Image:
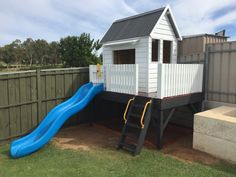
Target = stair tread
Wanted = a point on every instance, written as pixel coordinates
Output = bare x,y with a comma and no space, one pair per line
132,135
133,125
134,115
130,147
138,105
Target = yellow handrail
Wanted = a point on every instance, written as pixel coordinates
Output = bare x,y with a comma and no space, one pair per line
126,109
144,110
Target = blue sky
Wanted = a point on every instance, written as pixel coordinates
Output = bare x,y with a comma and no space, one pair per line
54,19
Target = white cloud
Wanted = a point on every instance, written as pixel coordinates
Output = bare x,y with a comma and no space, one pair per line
196,16
53,19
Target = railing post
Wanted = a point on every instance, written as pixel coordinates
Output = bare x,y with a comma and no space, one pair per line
136,79
159,81
91,73
39,95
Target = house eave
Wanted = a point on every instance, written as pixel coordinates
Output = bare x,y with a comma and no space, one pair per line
132,41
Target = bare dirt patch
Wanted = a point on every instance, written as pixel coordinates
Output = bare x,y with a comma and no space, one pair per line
178,141
86,137
182,149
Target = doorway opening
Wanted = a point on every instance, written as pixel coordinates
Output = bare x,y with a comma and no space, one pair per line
166,51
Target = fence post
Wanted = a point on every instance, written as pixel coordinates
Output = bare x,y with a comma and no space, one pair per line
206,69
39,103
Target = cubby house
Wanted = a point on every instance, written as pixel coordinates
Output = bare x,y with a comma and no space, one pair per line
143,39
140,71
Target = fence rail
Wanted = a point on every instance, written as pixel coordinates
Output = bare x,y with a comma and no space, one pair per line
179,79
27,96
194,58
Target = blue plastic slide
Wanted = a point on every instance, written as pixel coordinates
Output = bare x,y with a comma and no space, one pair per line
54,121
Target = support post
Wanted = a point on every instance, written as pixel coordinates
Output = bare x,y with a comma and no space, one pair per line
205,72
157,117
159,130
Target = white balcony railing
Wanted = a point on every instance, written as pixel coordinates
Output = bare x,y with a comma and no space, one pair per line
167,80
179,79
117,78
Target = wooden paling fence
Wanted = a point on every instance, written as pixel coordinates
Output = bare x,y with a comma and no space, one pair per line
220,83
220,73
26,97
194,58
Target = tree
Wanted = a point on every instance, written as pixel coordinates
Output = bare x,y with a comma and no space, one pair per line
12,53
79,51
55,57
29,51
17,51
42,51
6,54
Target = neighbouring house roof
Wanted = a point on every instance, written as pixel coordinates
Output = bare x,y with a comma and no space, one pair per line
202,35
138,25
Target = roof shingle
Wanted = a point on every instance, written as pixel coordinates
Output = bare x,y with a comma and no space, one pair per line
134,26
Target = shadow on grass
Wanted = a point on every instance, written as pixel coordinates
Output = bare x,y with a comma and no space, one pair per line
5,152
226,167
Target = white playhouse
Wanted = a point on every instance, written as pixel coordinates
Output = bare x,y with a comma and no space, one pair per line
140,70
140,56
143,39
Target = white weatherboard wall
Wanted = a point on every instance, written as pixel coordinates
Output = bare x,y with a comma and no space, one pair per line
179,79
141,58
152,81
163,31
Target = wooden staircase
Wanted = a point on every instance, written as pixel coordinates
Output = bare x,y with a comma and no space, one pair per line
137,117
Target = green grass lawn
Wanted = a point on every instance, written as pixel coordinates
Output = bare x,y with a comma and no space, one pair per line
53,161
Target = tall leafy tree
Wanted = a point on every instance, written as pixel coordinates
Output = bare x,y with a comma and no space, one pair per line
17,51
72,51
79,50
28,46
6,55
42,51
12,53
55,57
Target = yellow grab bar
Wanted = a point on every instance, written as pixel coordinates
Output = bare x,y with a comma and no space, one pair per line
144,111
126,109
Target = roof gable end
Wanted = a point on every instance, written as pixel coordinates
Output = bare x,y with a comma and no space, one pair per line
172,21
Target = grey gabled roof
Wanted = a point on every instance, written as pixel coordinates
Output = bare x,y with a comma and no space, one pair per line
134,26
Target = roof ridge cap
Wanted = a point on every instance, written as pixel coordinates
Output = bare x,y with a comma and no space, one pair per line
140,15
